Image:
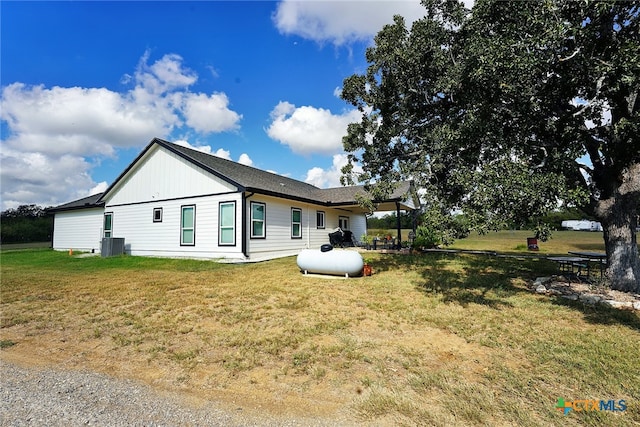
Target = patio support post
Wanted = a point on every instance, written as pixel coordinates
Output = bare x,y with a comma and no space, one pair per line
399,225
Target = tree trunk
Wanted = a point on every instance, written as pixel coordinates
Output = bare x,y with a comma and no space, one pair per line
619,217
623,269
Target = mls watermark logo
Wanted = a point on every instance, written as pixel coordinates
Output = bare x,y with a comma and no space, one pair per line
586,405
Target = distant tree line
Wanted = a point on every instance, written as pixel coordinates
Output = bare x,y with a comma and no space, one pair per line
553,219
390,221
26,224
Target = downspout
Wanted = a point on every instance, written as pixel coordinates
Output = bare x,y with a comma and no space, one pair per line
53,228
399,225
308,227
244,223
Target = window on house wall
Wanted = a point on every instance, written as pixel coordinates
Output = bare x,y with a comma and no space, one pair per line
258,216
296,223
319,219
227,221
343,222
157,214
188,226
108,224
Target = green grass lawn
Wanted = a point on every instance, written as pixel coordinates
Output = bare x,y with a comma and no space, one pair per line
515,241
434,339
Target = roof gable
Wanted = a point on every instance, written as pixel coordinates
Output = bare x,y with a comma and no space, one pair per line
247,177
250,179
162,174
263,182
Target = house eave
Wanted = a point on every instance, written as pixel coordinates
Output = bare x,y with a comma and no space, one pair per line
75,208
284,196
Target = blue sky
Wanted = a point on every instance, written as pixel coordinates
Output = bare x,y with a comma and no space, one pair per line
85,86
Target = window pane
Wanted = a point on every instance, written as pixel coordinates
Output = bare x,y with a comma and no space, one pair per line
227,215
107,222
258,228
187,217
226,235
257,211
296,230
295,215
320,219
227,223
187,237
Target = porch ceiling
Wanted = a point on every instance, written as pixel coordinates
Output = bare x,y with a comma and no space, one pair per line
380,207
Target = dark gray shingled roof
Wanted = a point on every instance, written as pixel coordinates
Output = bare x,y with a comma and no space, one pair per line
249,179
84,203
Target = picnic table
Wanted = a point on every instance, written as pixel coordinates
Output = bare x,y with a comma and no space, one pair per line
571,266
579,263
592,257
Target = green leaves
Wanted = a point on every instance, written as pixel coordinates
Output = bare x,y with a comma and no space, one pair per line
490,111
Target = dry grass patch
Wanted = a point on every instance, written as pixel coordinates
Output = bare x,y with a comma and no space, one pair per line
428,340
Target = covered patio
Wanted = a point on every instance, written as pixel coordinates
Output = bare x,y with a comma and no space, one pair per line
404,198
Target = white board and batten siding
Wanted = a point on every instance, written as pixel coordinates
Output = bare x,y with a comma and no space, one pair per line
163,175
79,230
278,241
164,180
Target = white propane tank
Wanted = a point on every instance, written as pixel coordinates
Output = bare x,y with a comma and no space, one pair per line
342,262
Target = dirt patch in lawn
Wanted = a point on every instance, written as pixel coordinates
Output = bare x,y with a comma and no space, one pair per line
323,377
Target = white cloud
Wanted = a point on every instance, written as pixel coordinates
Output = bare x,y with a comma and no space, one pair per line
329,178
65,130
222,153
341,22
164,75
101,187
202,148
308,130
245,160
42,179
208,114
76,120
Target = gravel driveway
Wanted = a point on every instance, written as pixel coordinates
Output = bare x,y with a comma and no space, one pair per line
47,397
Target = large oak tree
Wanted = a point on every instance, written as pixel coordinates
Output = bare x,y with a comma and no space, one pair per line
507,111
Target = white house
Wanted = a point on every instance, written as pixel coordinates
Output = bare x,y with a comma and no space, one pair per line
173,201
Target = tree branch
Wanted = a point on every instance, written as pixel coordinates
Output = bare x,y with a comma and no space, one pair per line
570,56
632,102
592,100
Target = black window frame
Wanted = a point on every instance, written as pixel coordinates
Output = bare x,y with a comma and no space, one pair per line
264,220
104,224
182,208
157,210
324,220
220,204
344,219
296,223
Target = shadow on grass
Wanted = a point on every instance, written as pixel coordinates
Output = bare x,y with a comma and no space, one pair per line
601,314
489,280
595,247
468,278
